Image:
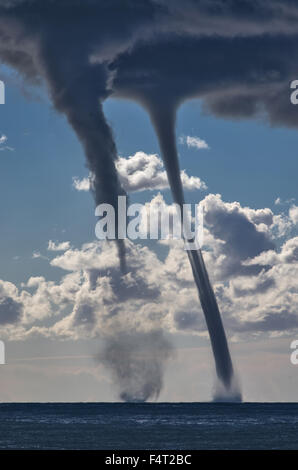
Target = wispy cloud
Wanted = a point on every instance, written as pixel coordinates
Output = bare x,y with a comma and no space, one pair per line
194,142
81,185
280,202
38,255
63,246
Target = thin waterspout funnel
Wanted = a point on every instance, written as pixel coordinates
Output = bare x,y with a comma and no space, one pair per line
163,120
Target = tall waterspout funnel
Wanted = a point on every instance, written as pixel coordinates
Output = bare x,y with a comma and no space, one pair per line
163,119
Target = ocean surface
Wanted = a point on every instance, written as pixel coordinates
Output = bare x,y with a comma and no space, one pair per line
176,426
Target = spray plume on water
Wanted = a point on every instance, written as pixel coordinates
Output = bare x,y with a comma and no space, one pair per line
137,363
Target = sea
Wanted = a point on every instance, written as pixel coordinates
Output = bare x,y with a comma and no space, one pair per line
158,426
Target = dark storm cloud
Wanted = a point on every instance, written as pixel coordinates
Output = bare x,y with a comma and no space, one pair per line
235,77
237,55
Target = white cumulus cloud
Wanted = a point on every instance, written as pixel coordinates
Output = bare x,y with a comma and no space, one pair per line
143,172
255,281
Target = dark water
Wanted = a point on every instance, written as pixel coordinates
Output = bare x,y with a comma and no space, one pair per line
149,426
